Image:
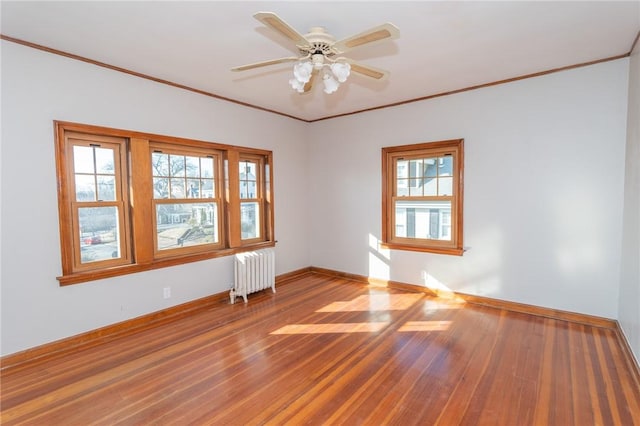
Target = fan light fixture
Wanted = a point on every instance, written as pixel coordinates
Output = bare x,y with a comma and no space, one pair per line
320,55
333,74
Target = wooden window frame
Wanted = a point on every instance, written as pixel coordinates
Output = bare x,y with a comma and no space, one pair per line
139,229
259,198
69,210
390,156
218,178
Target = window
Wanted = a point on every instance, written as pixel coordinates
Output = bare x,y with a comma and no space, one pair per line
130,201
186,199
250,199
422,197
96,214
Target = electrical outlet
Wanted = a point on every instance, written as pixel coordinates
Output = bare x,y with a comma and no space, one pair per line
166,292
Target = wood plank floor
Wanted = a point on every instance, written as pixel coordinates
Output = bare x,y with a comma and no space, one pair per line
325,351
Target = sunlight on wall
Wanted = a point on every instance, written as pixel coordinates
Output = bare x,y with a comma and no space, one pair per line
433,284
379,259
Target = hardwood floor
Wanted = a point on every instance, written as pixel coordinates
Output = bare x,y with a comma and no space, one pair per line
329,351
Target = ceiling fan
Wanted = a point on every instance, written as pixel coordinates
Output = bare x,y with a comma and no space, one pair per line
320,52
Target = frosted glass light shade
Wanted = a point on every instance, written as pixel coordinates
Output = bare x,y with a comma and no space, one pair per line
330,84
341,71
302,71
297,85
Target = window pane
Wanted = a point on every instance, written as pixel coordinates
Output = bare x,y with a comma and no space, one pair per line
430,186
445,186
83,159
104,161
184,225
423,219
193,188
183,176
206,167
415,168
250,220
207,188
106,188
402,188
177,188
445,224
99,234
446,166
85,188
193,166
160,188
244,190
431,167
177,165
86,177
247,170
248,179
401,222
160,164
415,187
251,190
402,169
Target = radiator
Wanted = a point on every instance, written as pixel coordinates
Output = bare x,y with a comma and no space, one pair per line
253,271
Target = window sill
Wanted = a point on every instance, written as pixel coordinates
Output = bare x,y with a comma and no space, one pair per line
98,274
437,250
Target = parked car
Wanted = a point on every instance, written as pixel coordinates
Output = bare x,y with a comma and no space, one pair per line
93,240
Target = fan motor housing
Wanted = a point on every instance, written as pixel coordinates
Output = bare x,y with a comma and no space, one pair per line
320,42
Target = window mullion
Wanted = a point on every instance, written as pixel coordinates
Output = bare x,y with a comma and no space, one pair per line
141,196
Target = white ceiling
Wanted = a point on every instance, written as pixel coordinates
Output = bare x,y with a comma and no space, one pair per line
443,46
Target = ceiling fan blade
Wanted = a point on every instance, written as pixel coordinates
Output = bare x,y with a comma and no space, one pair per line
382,32
265,63
366,70
274,22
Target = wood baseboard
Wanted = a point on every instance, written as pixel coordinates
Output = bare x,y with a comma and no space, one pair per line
42,353
292,276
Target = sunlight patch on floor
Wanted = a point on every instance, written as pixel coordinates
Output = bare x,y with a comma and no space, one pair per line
357,327
425,326
440,304
374,302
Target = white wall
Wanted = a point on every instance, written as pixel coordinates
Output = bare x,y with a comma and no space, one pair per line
38,88
543,197
629,309
543,191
